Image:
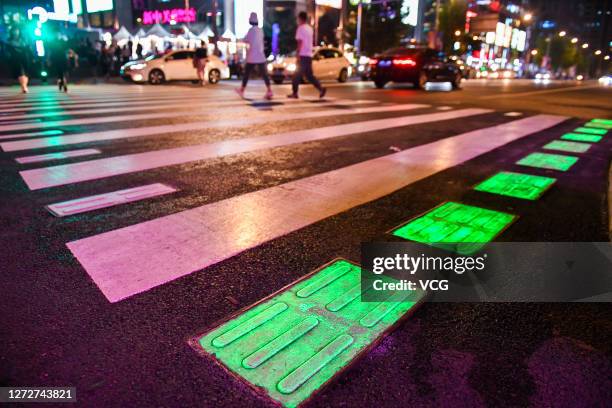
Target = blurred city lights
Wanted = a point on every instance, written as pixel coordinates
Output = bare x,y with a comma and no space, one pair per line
562,34
598,52
585,45
574,40
527,17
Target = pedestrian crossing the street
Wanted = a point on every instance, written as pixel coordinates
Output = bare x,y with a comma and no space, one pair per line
105,151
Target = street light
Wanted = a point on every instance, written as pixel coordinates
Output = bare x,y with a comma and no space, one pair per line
534,52
457,33
527,17
585,45
598,52
562,34
607,57
574,40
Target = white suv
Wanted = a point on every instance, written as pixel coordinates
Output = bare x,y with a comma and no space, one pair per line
176,65
327,63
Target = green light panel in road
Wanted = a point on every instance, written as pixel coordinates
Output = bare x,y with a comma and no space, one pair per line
572,147
581,138
548,161
291,343
456,227
600,123
592,131
517,185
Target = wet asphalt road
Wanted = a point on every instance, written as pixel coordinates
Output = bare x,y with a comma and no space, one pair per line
58,329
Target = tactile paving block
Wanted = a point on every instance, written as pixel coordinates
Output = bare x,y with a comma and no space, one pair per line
591,130
548,161
600,123
525,186
457,227
572,147
581,137
290,344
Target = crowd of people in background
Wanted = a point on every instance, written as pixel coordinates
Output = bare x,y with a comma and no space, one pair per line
102,60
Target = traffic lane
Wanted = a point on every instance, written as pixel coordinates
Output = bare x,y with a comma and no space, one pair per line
212,180
149,331
586,101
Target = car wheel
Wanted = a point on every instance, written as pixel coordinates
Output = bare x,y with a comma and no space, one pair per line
343,75
156,77
421,80
457,82
380,84
278,81
214,75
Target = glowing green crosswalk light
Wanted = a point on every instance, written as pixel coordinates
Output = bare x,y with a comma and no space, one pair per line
456,227
603,121
598,125
290,344
592,131
548,161
572,147
578,137
525,186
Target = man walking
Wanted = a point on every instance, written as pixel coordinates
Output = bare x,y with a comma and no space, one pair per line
303,36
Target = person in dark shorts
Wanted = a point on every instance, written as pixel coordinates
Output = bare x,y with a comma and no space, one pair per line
256,58
199,61
17,53
304,38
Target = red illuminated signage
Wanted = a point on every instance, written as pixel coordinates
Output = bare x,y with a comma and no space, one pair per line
171,16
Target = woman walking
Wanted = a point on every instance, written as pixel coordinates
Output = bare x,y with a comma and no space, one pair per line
18,58
255,56
199,61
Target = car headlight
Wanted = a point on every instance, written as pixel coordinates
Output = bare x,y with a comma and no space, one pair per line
137,67
291,67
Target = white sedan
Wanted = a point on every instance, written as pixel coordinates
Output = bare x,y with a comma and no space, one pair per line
176,65
327,63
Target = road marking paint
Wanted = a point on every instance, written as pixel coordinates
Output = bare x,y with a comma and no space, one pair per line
288,351
181,104
581,137
444,108
548,161
545,91
264,117
518,185
57,156
128,118
96,202
513,114
113,166
456,227
136,258
572,147
54,132
591,131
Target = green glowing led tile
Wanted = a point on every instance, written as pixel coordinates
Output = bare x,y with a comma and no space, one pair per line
456,227
591,130
290,344
517,185
573,147
581,138
600,123
548,161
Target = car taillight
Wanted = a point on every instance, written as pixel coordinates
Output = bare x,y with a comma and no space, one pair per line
404,62
373,61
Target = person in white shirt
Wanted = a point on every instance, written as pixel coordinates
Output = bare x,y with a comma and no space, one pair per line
303,36
255,56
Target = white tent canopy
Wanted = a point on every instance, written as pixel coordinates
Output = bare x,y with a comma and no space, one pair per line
140,33
206,33
188,34
122,34
229,35
159,31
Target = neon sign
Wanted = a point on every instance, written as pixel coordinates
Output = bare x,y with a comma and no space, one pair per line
171,16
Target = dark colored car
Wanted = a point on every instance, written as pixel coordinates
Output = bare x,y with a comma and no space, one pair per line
415,65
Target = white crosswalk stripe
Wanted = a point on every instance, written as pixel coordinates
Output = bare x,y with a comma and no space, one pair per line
136,258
